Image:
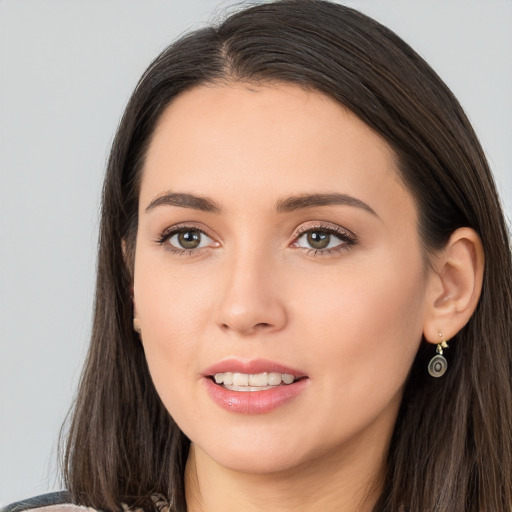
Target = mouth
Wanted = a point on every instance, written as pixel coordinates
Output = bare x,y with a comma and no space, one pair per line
253,387
236,381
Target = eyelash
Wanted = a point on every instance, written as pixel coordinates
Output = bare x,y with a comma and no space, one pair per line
175,230
347,239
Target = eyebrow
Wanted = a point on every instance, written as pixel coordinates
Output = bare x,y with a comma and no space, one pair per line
299,202
185,201
286,205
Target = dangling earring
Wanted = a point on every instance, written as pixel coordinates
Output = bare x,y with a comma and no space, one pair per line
136,325
438,364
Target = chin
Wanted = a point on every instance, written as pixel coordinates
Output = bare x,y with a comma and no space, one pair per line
256,462
256,451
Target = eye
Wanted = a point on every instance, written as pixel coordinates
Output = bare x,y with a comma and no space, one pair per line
317,240
186,239
324,239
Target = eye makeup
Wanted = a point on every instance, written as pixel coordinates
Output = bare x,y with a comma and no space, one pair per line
193,240
314,239
320,237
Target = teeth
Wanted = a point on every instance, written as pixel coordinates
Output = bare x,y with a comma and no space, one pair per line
287,378
274,379
240,379
254,380
258,379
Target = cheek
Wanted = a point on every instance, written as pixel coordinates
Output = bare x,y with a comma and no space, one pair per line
173,311
367,323
170,300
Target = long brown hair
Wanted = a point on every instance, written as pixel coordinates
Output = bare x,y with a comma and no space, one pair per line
452,445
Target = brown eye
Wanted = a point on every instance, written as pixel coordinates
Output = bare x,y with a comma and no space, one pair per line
189,239
324,240
318,239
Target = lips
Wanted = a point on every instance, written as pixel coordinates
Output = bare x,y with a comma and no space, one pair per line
252,367
253,387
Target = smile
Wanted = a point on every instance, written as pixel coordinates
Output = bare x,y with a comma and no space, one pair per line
236,381
253,387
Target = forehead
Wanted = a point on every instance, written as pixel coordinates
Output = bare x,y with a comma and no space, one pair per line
236,140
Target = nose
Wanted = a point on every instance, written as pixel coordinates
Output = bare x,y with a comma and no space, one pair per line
251,301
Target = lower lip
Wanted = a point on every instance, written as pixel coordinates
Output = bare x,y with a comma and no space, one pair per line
254,402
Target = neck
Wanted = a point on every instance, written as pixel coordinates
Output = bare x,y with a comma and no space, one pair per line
342,484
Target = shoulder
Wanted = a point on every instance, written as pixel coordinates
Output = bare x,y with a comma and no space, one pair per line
52,502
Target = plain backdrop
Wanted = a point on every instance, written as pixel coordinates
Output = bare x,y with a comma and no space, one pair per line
67,68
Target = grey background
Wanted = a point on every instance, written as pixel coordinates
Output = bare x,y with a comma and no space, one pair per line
67,68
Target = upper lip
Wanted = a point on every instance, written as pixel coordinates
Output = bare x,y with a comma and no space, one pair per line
251,367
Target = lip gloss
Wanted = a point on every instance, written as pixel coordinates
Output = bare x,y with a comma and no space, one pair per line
253,402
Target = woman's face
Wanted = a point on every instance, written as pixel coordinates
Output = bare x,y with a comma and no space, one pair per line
275,238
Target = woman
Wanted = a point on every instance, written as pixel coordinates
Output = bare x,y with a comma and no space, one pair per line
304,283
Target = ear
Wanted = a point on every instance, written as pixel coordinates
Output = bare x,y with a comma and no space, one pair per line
454,285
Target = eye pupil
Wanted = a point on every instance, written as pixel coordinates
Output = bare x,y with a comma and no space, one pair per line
189,239
318,239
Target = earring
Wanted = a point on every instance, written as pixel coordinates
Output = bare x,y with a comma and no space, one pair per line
438,364
136,325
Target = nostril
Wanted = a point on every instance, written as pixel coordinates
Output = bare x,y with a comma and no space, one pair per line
256,327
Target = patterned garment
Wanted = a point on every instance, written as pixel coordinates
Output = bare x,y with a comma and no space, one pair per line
61,502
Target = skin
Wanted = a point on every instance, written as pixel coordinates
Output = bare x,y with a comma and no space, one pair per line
352,319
